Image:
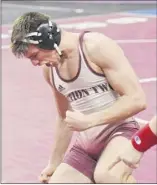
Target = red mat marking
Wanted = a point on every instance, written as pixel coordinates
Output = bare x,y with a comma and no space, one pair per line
29,111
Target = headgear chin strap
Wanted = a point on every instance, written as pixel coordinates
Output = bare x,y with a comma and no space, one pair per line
47,36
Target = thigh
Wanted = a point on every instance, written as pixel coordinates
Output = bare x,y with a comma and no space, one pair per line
67,174
120,172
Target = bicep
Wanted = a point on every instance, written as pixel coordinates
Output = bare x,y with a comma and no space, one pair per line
116,67
62,103
122,77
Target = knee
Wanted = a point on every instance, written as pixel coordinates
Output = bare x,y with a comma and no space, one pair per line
109,177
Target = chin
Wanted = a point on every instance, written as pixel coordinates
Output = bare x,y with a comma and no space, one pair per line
54,64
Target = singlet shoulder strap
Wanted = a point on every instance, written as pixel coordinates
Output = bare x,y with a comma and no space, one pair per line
53,75
81,47
82,35
85,61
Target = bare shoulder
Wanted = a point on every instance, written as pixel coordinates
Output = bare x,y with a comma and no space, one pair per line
101,48
94,39
47,74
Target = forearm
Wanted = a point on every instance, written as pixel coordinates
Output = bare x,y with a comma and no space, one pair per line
122,109
62,140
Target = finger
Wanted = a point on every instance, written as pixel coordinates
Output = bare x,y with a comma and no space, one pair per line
73,128
69,113
69,125
43,178
66,120
131,165
69,119
73,114
117,160
134,166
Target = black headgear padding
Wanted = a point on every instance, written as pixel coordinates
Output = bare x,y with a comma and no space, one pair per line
46,36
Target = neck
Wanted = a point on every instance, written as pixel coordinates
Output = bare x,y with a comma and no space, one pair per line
69,43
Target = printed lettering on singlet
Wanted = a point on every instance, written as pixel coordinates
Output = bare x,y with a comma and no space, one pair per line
82,93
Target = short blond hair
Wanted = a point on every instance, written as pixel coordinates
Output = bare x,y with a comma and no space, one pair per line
27,23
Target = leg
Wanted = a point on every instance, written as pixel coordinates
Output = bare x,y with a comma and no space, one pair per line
120,173
77,167
67,174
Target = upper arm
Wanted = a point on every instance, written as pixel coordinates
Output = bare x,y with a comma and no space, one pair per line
62,103
116,67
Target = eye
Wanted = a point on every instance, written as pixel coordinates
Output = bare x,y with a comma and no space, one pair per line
32,57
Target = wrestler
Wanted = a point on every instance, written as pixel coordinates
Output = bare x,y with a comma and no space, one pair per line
97,94
142,141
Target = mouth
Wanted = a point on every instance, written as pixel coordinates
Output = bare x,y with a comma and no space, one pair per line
48,64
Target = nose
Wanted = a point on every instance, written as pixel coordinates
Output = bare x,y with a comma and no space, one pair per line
35,62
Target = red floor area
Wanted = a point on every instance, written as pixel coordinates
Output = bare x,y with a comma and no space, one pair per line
29,112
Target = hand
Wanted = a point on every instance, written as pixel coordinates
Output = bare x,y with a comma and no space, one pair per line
130,156
47,173
77,121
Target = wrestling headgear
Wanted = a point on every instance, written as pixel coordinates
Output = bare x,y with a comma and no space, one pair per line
47,36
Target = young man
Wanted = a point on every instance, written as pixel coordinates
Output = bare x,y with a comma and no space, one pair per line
143,140
96,92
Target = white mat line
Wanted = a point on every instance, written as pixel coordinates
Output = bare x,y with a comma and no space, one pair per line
146,80
136,41
36,7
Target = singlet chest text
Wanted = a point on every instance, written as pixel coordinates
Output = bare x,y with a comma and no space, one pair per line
82,93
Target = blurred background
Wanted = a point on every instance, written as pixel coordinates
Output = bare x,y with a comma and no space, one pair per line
28,109
65,9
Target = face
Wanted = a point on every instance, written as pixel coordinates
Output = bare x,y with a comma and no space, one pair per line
40,57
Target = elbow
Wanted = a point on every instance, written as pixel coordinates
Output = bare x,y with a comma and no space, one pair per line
142,106
139,101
